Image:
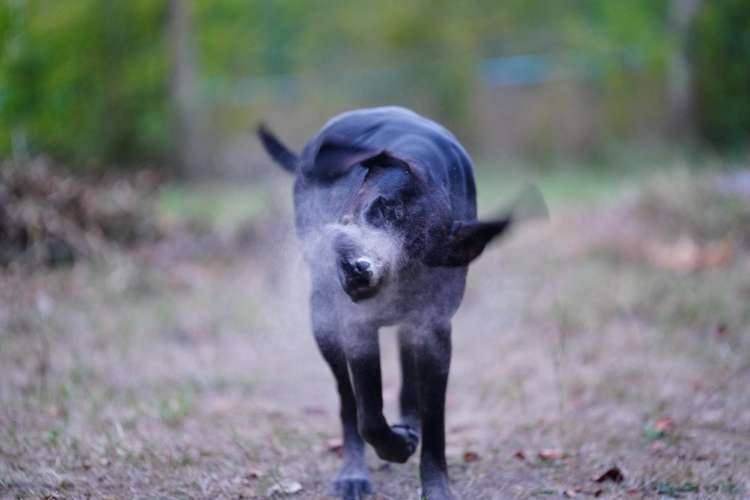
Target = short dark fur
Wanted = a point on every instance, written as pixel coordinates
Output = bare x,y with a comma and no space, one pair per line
390,171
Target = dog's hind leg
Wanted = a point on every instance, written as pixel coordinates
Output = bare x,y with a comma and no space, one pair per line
433,363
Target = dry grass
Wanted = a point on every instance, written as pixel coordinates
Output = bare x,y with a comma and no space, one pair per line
161,375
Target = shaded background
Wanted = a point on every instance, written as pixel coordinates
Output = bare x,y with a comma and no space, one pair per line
154,333
99,84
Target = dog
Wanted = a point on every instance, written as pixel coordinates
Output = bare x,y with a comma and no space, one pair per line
385,208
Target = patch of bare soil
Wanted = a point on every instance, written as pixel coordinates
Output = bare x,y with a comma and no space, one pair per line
576,373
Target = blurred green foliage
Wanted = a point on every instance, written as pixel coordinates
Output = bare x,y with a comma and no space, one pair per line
87,81
720,47
84,80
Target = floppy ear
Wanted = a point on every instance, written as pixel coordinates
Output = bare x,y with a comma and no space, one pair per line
467,239
335,159
466,242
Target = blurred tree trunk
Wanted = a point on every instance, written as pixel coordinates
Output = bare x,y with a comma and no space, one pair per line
680,78
189,141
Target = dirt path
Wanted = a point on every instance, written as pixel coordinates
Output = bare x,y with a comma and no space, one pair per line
149,377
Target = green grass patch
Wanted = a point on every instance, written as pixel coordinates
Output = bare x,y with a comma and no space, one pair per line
675,490
564,186
220,206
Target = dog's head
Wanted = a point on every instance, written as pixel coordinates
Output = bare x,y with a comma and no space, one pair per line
395,220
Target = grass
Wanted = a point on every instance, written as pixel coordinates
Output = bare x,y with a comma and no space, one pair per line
224,207
562,187
161,376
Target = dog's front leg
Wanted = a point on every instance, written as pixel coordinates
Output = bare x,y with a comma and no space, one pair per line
433,355
353,480
392,443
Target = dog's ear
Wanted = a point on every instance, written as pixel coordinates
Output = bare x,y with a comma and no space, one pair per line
467,239
466,242
335,158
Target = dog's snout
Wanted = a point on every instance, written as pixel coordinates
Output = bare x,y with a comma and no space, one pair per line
360,268
363,266
359,278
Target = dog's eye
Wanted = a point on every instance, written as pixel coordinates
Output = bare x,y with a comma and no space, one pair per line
376,212
383,211
395,210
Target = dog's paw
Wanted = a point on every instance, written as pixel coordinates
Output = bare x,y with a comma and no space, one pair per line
401,444
410,436
352,487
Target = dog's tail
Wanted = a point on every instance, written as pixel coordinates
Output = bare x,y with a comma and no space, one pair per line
276,149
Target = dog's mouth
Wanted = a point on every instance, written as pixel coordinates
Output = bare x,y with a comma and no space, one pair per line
360,286
361,292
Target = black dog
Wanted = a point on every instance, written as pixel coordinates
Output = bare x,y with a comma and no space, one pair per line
385,206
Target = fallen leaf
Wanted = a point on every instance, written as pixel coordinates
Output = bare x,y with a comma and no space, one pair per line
686,255
664,424
570,493
552,454
520,455
613,474
336,446
284,487
470,456
253,474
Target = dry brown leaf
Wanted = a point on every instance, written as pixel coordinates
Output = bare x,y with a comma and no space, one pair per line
253,474
470,456
686,255
613,474
664,424
552,454
520,455
335,445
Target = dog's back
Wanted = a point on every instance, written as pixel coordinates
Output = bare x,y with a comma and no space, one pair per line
433,151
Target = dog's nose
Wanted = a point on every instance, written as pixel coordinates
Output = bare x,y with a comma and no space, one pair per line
359,269
362,266
359,277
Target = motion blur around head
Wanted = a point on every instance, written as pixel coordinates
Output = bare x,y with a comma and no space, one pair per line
392,220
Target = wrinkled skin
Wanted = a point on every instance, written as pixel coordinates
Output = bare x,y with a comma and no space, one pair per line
385,206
